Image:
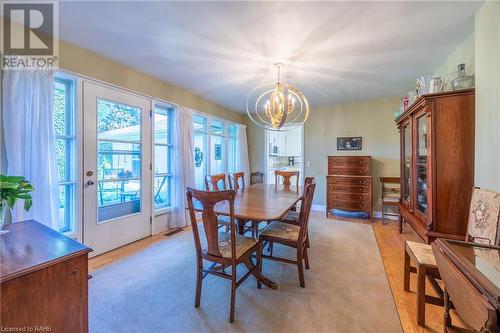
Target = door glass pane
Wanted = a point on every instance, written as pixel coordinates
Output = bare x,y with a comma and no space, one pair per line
422,164
118,159
118,121
217,157
406,164
200,159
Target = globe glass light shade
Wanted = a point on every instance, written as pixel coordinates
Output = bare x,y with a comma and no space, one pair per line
277,106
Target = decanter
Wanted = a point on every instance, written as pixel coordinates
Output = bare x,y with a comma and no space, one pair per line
462,81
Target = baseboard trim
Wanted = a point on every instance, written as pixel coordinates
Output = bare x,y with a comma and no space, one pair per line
377,213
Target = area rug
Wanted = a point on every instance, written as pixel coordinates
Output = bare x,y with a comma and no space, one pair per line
153,290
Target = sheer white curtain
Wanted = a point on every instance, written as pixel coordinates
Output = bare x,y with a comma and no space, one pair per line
28,98
183,164
242,153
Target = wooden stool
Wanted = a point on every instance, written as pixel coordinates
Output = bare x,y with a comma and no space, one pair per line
422,255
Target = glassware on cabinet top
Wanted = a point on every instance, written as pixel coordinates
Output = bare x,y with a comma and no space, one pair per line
437,84
460,80
423,83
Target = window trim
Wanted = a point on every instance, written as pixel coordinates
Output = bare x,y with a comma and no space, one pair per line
169,109
71,156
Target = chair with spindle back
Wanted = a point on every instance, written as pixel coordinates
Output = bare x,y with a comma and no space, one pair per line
215,182
256,178
482,227
223,249
292,235
234,180
287,175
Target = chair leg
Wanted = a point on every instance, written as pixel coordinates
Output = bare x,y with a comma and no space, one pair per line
233,293
406,277
306,258
420,295
401,221
300,267
307,240
259,264
199,279
446,315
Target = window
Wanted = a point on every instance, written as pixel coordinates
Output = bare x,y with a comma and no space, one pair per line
163,152
215,147
64,126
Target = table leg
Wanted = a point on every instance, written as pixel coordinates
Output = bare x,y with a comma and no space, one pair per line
249,264
241,226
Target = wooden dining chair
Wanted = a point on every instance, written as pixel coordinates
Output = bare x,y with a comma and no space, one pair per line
482,227
223,249
287,175
292,216
215,182
292,235
234,180
256,178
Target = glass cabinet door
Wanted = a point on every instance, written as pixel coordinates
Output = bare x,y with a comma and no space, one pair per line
406,161
421,164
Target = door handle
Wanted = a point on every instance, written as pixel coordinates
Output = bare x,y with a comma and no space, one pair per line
90,183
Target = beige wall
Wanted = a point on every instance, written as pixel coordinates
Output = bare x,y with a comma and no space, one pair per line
373,120
487,45
463,54
87,63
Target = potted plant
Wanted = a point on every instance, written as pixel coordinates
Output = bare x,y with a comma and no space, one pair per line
13,188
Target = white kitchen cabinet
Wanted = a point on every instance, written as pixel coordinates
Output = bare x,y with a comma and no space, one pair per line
293,142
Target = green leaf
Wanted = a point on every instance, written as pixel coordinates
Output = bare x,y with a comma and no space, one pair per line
11,179
11,201
27,204
7,185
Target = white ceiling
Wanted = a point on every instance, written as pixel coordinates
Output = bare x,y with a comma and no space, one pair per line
333,51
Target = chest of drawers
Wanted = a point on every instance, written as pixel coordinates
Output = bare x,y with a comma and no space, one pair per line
349,184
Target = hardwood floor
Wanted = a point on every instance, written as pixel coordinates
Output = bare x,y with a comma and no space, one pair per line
390,243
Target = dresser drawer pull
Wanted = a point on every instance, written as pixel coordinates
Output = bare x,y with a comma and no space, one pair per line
363,182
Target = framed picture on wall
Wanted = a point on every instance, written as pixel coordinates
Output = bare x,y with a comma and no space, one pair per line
218,152
350,143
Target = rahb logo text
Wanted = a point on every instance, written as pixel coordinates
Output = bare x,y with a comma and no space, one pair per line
30,35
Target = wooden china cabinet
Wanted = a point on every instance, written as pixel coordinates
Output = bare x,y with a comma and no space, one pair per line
437,164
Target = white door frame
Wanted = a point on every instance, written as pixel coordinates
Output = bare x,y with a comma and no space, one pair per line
113,233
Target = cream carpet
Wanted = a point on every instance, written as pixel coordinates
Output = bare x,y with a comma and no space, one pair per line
153,290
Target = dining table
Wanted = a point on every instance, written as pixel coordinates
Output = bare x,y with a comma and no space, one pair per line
259,202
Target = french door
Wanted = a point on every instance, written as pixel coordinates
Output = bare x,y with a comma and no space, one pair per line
117,167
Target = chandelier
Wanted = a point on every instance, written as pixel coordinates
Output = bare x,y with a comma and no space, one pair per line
277,106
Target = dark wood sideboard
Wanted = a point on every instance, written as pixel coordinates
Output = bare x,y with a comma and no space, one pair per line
437,164
44,280
349,184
